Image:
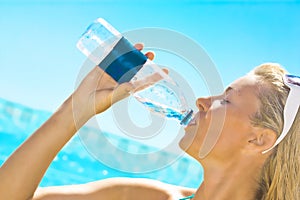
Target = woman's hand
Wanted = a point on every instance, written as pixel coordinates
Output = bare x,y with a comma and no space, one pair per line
98,91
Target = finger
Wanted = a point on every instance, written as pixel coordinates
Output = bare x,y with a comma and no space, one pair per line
166,70
147,81
139,46
121,92
150,55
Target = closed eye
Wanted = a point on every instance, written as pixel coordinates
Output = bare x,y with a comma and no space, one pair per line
224,101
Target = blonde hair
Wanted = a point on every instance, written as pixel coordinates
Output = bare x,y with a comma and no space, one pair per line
280,176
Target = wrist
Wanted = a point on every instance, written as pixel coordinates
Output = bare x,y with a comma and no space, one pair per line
81,110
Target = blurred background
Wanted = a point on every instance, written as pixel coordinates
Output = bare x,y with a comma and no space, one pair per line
39,61
39,66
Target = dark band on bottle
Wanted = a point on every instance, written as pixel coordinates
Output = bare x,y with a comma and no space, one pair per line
123,62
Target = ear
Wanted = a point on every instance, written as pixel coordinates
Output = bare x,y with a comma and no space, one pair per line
262,139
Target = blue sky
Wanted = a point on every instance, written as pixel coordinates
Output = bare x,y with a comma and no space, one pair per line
40,62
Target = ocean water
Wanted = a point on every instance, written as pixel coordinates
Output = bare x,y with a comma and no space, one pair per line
74,164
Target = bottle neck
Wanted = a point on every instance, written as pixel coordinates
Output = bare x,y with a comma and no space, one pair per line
188,117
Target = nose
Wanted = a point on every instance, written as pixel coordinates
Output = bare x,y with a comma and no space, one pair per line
204,104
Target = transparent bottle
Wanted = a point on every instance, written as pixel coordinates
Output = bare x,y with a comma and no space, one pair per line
112,52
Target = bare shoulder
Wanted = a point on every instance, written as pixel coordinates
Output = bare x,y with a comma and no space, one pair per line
141,187
114,188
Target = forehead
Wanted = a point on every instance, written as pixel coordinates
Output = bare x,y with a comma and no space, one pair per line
246,83
247,88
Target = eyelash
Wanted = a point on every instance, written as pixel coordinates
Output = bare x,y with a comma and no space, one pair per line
224,101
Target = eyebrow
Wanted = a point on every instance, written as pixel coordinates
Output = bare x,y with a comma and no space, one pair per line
229,89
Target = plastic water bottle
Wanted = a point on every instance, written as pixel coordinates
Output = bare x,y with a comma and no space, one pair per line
112,52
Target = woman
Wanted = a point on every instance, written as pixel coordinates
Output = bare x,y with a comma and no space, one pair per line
235,168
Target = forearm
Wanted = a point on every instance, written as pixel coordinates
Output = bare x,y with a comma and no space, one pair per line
23,171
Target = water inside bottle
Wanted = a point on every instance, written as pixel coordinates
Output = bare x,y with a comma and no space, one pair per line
162,109
105,46
164,102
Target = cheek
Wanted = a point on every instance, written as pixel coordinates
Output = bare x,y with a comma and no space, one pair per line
234,134
218,131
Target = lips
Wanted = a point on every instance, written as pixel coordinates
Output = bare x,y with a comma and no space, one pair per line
194,120
192,124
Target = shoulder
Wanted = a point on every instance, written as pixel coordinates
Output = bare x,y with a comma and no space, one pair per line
143,185
114,188
146,187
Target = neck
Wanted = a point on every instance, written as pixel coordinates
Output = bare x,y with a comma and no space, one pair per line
232,180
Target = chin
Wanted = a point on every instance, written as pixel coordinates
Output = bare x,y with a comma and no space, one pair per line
185,143
187,148
190,142
188,137
182,144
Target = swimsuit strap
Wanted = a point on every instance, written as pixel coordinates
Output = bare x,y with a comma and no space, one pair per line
189,197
